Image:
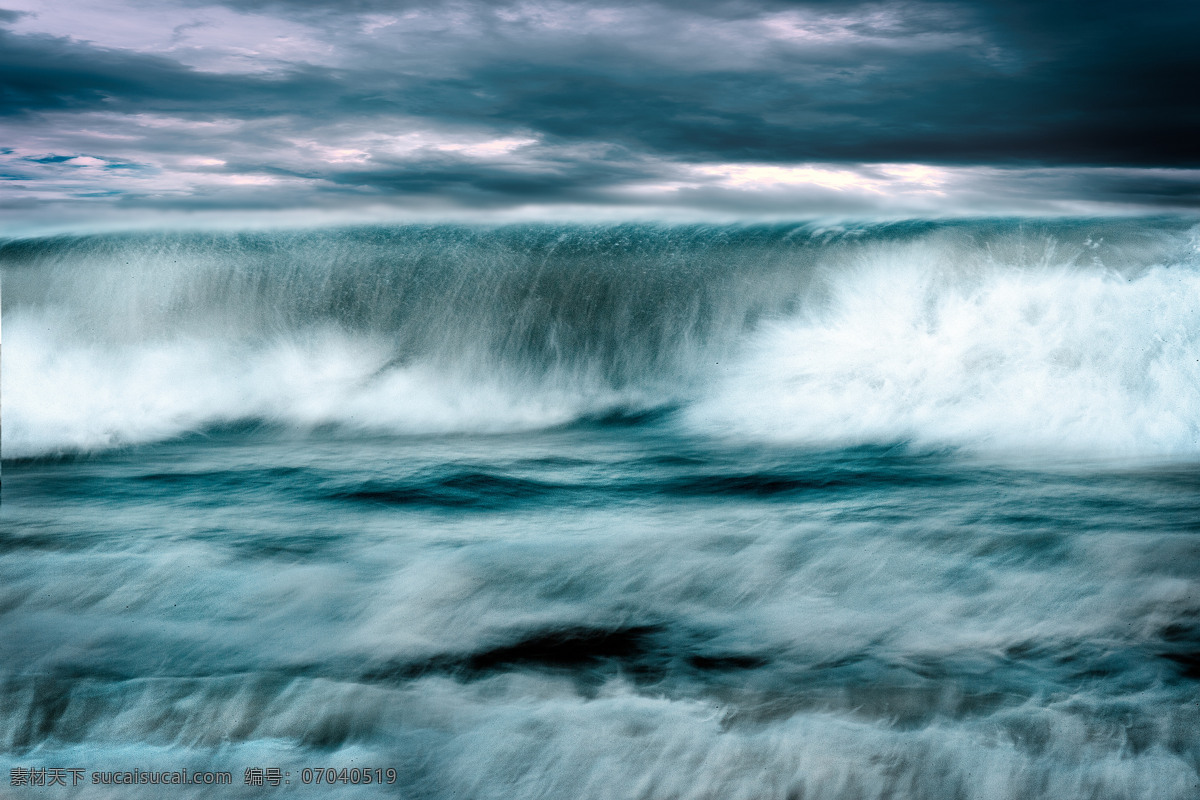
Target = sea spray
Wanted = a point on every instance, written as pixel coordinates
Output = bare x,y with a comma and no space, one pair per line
896,511
1082,335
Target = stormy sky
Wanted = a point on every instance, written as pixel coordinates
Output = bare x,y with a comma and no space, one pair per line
754,107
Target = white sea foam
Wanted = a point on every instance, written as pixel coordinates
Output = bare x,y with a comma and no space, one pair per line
972,339
1005,358
65,396
231,665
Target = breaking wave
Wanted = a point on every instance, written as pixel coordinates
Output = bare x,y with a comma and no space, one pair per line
1068,336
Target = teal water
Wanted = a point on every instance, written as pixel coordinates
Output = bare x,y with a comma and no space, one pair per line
904,511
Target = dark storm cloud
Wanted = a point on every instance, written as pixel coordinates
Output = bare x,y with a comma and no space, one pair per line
617,94
1071,83
483,185
1067,86
39,73
1163,188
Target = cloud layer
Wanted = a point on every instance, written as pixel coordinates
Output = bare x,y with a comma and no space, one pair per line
755,107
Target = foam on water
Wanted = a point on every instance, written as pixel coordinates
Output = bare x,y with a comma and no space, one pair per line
726,580
909,348
65,397
1078,337
928,630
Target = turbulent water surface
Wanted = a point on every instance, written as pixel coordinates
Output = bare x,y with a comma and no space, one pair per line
901,510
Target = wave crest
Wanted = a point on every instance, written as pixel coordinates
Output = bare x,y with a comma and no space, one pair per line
989,335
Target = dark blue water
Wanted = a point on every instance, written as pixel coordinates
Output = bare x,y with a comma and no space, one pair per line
850,515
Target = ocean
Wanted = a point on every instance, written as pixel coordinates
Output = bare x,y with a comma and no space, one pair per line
888,511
